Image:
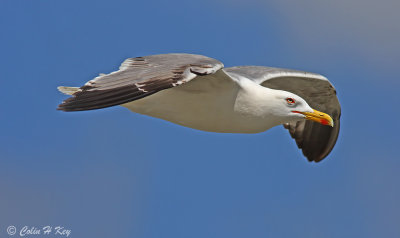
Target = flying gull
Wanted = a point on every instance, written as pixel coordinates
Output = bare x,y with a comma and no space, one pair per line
197,92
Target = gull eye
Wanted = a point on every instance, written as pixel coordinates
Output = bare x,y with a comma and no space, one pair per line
290,101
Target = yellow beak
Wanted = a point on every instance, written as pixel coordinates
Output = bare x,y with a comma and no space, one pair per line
318,116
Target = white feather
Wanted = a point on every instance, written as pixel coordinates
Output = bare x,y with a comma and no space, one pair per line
68,90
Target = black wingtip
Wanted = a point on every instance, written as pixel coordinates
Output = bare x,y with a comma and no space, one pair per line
63,109
315,159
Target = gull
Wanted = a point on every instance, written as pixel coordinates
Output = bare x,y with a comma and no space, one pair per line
198,92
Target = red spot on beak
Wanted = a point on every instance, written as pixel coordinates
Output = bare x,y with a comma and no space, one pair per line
324,122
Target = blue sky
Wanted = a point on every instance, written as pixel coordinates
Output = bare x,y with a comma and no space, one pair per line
112,173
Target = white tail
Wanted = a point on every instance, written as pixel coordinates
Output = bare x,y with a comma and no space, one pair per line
68,90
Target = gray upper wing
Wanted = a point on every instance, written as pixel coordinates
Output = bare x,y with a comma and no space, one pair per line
315,140
138,78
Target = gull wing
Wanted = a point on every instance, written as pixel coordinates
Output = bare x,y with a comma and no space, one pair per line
137,78
315,140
